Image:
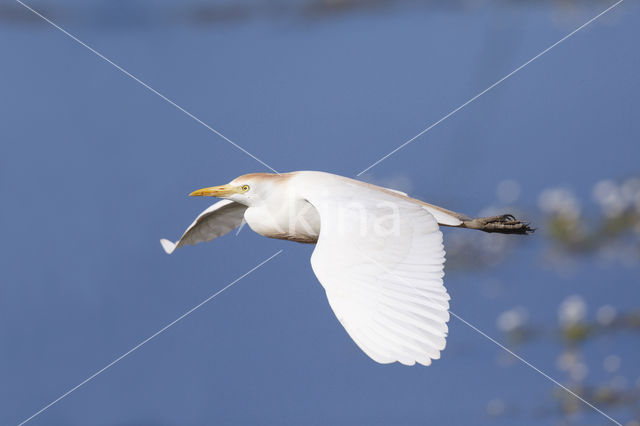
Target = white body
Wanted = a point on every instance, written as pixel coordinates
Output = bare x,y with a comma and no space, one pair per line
379,253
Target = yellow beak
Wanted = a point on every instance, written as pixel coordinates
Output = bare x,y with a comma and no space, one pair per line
216,191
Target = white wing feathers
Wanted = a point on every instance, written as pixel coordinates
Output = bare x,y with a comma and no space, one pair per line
214,222
385,287
444,217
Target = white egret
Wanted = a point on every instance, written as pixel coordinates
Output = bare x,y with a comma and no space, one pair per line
379,253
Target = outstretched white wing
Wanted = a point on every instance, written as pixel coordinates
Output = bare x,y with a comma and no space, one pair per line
380,259
214,222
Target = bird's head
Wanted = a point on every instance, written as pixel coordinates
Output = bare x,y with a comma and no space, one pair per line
246,189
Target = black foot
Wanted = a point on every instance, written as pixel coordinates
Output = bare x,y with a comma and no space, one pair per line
504,224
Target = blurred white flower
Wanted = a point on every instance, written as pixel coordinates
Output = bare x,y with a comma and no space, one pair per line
508,191
606,314
603,189
619,382
612,363
512,319
578,371
610,197
566,360
572,310
495,407
559,201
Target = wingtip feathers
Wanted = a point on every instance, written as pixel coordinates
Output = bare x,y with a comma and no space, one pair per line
168,246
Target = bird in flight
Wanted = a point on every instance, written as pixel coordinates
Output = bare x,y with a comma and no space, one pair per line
378,254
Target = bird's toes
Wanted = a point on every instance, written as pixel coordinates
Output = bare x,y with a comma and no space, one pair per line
506,218
505,224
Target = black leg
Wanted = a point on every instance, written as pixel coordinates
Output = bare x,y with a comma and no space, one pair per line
504,224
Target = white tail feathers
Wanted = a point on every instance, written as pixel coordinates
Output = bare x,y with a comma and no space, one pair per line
168,246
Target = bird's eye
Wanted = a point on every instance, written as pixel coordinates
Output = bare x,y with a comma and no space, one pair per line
245,188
